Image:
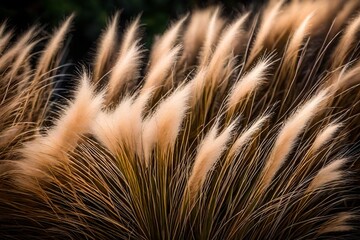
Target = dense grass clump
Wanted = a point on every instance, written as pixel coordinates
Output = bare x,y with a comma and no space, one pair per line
244,128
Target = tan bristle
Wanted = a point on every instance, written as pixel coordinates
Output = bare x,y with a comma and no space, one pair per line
288,135
105,50
210,150
164,125
327,175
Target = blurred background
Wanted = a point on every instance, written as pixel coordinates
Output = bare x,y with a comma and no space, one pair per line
92,16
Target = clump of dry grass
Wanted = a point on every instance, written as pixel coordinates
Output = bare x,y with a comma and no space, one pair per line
244,128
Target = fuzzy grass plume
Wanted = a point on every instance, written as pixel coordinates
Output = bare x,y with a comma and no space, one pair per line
228,128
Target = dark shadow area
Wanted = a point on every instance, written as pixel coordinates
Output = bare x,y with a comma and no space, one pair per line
92,16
